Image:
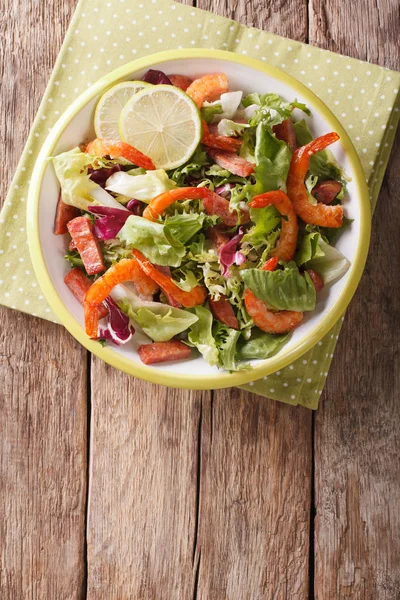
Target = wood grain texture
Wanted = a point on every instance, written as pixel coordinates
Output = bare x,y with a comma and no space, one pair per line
255,488
42,369
142,518
283,17
368,30
357,436
255,492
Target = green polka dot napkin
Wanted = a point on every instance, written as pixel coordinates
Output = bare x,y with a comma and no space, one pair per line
106,34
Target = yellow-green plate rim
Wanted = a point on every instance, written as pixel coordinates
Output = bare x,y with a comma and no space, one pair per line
153,374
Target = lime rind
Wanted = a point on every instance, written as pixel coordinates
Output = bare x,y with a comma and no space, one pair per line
164,123
110,105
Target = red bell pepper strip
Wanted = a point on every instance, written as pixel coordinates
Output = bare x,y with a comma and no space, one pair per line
270,264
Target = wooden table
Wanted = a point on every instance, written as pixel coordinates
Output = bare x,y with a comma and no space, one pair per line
111,488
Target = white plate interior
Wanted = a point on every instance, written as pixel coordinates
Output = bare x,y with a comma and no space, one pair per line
240,77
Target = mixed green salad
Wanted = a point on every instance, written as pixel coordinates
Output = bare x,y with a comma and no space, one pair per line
205,217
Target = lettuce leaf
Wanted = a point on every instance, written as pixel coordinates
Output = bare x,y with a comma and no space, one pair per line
208,112
261,345
200,335
265,221
142,187
77,188
193,168
160,322
285,289
151,240
273,161
230,128
328,262
309,248
226,340
273,109
229,102
182,227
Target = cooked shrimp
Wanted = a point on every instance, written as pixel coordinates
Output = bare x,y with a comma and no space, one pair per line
221,142
286,246
126,270
280,321
213,204
114,149
209,87
314,214
188,299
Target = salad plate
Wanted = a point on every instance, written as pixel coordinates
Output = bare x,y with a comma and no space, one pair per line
216,278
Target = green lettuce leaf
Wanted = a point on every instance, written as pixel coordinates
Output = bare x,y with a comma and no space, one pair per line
194,167
283,289
329,262
226,340
142,187
159,321
150,239
309,248
76,185
273,109
208,112
261,345
265,221
201,337
182,227
74,258
273,161
229,128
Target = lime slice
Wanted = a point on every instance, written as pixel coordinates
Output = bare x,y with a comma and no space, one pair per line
110,105
162,122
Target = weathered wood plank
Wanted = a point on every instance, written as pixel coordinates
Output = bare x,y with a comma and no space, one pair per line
255,485
368,30
143,488
42,369
283,17
255,490
357,440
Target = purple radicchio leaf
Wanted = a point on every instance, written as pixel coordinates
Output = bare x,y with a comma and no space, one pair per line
119,330
135,206
225,190
109,222
100,176
156,77
230,255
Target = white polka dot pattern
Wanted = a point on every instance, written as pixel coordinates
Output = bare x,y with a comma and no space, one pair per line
102,36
